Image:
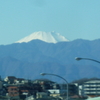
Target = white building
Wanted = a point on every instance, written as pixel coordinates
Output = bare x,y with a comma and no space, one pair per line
91,88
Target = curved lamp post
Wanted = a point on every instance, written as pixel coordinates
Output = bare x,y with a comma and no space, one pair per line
59,77
78,58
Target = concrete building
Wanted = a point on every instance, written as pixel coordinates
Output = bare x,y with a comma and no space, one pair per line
91,88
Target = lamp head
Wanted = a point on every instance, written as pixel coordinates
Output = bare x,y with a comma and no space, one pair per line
78,58
43,74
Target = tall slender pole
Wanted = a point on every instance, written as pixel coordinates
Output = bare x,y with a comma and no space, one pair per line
78,58
59,77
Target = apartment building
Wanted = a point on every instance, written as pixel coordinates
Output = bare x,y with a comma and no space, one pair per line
91,88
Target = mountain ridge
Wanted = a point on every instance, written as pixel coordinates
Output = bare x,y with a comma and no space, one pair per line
32,58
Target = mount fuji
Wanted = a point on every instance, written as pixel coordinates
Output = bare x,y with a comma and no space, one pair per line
50,37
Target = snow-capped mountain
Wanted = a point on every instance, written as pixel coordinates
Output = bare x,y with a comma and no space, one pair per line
50,37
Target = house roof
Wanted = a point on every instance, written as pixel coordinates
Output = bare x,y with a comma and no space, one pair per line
11,77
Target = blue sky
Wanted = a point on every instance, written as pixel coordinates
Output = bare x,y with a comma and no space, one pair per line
74,19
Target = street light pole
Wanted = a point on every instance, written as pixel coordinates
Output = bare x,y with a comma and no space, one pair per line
59,77
78,58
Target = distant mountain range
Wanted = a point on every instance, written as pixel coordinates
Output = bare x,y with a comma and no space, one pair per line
29,59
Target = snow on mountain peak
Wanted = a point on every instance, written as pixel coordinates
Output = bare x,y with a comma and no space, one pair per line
50,37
